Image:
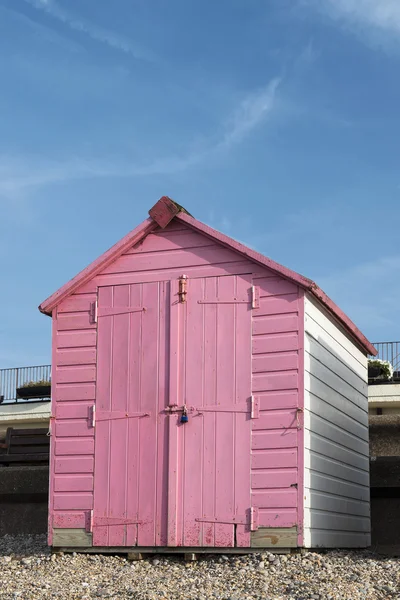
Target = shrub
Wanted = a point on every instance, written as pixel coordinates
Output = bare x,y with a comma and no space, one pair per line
41,382
386,369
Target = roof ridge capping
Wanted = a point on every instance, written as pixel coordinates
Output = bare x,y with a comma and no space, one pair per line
165,210
161,214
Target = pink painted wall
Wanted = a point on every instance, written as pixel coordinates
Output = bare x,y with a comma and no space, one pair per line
277,441
276,379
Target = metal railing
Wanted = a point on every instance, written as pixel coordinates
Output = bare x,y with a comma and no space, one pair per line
389,351
13,379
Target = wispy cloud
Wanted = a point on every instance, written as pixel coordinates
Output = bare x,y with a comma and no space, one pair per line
113,40
384,14
378,15
17,175
252,111
41,31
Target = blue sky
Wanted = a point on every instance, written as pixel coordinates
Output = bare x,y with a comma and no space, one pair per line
275,121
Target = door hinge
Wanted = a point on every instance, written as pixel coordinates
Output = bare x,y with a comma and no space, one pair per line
93,415
255,296
182,288
299,411
93,311
254,408
253,519
89,522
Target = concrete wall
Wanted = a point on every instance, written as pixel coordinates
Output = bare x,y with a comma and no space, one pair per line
384,435
23,500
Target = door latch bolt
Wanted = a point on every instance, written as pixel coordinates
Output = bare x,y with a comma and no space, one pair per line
182,288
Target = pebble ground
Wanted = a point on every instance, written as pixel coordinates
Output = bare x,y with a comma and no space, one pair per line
28,570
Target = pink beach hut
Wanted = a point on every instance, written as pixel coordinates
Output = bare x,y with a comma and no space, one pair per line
204,398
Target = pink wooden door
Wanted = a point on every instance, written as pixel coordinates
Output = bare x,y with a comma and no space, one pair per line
159,481
210,369
130,479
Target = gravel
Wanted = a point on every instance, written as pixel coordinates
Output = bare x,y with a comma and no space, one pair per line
29,570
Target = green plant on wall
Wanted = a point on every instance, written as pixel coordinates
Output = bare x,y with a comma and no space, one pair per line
30,384
386,369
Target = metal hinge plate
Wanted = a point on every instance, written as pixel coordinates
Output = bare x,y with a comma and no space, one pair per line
255,413
253,518
93,311
255,296
92,415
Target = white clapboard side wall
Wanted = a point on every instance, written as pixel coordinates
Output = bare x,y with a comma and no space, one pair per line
336,451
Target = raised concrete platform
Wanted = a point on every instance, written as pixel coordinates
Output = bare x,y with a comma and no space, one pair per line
24,415
385,396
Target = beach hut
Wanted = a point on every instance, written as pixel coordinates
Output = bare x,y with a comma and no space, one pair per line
204,398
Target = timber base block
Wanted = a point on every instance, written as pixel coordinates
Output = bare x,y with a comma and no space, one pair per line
135,556
276,540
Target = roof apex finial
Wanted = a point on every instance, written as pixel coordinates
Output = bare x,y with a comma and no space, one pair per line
165,210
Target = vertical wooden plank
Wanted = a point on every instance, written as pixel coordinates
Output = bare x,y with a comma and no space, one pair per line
118,427
174,397
224,439
102,431
242,438
148,425
132,475
54,400
180,429
209,418
162,418
193,430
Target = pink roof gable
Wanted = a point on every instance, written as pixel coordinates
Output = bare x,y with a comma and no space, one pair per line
133,237
161,214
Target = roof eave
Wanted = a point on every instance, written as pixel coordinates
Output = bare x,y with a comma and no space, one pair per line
302,281
344,319
133,237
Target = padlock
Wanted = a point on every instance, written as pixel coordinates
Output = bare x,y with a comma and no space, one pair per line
184,416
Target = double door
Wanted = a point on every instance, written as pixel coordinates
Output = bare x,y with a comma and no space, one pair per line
173,414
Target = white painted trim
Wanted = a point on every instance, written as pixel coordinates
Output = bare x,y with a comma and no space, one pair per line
306,491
